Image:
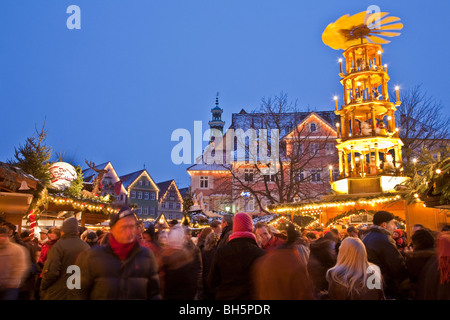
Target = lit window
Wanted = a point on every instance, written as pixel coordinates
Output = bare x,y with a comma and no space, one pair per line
329,149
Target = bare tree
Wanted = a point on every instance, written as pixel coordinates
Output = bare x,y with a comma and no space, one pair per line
421,122
298,171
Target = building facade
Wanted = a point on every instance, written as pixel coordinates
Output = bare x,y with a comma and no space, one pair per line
266,159
142,193
170,201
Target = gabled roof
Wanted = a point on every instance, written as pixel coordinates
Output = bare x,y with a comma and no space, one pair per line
129,179
319,116
164,187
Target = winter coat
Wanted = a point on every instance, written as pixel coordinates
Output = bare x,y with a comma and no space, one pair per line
382,251
63,254
337,291
226,232
415,263
321,258
14,265
207,258
230,272
180,272
281,274
45,248
429,286
105,277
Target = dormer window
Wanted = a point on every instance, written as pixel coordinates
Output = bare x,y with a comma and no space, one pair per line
313,127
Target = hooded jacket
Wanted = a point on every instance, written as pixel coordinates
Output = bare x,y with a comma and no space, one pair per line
63,254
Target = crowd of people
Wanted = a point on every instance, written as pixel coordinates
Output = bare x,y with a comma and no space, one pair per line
232,259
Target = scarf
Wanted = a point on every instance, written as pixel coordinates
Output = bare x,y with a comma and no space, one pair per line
242,234
120,249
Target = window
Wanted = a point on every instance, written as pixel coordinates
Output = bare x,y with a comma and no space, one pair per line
178,205
140,182
249,204
152,211
170,205
163,205
329,149
315,175
248,175
297,149
203,182
269,177
139,210
146,211
172,196
152,195
301,176
314,149
147,183
146,196
139,194
312,127
133,195
335,174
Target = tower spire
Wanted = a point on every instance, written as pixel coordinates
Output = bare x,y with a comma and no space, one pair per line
216,124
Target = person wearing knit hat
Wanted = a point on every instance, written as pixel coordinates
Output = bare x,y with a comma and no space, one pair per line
382,251
63,254
121,269
242,227
230,273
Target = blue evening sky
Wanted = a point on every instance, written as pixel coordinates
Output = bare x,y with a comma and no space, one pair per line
116,89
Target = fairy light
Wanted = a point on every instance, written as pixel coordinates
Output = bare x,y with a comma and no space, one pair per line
316,208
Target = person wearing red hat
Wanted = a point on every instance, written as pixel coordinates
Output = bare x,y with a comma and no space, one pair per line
230,273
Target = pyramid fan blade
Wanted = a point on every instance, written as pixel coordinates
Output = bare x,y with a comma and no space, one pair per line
395,26
374,16
385,33
355,20
384,21
379,40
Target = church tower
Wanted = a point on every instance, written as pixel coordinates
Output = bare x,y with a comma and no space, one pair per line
216,124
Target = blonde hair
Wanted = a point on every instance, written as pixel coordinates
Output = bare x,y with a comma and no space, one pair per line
350,270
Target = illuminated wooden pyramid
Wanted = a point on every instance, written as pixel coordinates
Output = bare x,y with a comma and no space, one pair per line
370,150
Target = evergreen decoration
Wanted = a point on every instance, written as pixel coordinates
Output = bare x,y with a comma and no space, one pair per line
33,157
77,185
430,178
